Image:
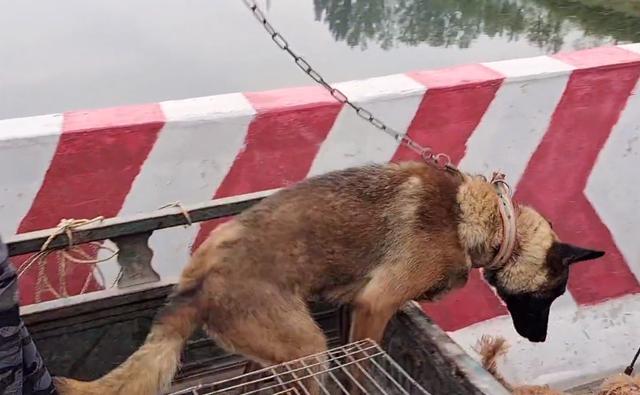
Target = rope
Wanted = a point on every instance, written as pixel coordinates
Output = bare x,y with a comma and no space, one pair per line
70,254
182,210
75,255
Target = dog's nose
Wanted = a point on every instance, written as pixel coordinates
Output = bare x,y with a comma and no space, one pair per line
537,338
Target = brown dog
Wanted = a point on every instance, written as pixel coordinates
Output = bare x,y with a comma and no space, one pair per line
374,237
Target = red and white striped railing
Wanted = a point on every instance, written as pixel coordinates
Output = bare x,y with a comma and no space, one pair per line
564,128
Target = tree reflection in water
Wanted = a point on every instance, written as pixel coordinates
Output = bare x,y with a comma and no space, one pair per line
444,23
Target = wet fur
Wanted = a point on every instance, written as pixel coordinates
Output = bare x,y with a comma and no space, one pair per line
374,237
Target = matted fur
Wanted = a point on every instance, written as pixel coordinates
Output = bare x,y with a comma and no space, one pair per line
491,348
373,236
621,384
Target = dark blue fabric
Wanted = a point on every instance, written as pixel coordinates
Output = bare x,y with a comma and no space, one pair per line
22,370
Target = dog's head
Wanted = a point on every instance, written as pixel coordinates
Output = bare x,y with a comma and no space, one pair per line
536,275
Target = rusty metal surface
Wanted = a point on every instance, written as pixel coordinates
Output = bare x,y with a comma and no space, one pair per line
433,358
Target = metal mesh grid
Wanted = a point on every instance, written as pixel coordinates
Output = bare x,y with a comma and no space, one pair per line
361,367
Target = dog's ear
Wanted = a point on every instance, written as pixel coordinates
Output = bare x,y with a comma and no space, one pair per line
572,254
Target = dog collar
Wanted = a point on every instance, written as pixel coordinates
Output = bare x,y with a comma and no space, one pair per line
508,215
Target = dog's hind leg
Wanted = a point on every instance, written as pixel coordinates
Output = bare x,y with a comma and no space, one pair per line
276,329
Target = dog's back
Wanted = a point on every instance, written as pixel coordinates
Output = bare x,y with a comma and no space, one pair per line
325,234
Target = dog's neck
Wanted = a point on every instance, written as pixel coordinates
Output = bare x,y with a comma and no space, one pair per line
480,226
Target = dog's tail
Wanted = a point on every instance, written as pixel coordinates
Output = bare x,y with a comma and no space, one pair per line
151,368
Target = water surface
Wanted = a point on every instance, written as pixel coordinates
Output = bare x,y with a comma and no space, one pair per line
73,54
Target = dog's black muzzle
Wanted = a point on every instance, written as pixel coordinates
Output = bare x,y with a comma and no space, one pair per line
531,327
530,316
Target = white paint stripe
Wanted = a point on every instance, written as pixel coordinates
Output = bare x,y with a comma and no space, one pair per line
581,346
631,47
530,68
613,186
193,154
27,146
515,123
208,109
351,142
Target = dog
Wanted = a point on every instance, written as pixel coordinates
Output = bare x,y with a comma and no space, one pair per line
374,237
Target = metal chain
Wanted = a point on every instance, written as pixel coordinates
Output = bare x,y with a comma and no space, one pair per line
629,368
441,160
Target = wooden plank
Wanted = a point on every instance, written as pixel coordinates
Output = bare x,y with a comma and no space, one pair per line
25,243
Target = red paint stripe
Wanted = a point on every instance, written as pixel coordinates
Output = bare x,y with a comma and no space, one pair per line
282,141
556,175
455,101
99,154
473,303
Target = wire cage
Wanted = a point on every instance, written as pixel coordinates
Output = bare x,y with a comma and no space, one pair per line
363,367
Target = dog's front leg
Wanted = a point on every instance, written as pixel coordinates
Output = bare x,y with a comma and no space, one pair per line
369,319
375,304
371,311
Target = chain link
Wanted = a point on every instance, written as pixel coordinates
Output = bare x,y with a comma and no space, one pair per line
441,160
